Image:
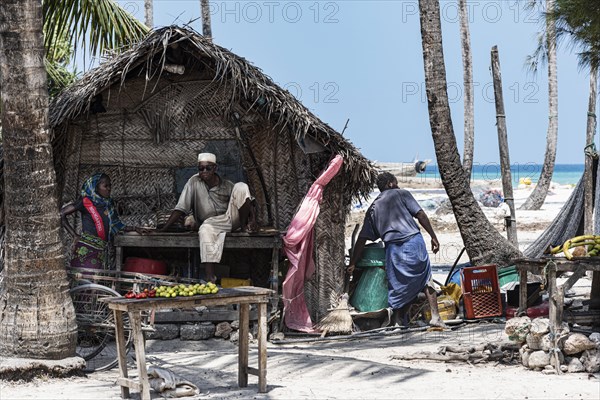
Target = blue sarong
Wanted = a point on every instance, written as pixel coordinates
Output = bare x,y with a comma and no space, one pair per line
408,270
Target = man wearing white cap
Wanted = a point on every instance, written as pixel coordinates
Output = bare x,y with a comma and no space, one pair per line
218,206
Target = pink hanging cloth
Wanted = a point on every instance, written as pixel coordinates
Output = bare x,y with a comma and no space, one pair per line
298,247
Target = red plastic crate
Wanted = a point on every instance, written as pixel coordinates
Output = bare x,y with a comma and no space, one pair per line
481,292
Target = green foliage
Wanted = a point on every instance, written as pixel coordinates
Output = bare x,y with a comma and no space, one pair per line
57,64
59,77
579,20
96,25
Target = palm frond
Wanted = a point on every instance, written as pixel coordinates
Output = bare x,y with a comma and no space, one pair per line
539,55
579,21
96,25
59,77
246,84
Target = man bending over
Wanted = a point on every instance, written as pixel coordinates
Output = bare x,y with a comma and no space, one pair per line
391,218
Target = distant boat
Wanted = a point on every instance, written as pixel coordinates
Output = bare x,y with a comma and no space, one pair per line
404,168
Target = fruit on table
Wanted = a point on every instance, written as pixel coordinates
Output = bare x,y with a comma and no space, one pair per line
186,290
589,243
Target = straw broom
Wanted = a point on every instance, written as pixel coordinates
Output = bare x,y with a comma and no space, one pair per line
338,320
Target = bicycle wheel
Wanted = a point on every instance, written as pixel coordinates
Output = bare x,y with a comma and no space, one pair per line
96,342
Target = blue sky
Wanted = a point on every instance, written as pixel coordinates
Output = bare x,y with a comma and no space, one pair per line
362,61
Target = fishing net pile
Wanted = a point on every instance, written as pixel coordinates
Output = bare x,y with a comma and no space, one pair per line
569,222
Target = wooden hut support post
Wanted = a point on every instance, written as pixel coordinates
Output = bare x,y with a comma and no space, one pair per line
588,208
511,226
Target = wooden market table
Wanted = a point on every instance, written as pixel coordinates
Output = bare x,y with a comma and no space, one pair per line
233,240
243,296
552,267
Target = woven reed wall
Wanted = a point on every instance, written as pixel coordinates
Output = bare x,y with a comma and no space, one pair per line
141,144
288,174
327,285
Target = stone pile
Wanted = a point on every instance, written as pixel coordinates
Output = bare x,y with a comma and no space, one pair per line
197,331
574,352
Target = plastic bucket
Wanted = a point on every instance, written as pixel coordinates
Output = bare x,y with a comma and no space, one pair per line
145,266
371,292
372,257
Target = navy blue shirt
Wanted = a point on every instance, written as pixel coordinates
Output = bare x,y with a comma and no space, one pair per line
391,217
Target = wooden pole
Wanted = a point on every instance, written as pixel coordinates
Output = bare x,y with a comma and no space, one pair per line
206,28
511,224
588,184
148,13
588,213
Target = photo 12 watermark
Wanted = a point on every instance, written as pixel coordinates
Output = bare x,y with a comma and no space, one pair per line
253,12
516,92
489,12
316,92
489,173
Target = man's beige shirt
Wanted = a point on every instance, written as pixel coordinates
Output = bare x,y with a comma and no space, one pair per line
202,201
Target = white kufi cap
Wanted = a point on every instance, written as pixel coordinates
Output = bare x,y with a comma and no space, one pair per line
207,157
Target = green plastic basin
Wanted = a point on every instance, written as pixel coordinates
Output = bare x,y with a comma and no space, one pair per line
371,292
507,274
372,257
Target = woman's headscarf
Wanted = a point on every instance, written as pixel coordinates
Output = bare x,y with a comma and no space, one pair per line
89,190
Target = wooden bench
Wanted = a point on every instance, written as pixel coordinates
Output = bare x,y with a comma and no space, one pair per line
243,296
233,240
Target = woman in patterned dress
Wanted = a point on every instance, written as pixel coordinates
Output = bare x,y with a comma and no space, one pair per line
99,223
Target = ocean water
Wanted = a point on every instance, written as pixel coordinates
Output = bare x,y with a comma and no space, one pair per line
564,174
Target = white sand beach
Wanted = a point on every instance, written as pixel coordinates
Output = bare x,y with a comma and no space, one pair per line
362,368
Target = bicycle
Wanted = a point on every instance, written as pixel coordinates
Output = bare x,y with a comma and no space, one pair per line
96,342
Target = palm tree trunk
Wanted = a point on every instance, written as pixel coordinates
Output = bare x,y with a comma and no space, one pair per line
37,318
469,112
206,27
483,242
148,13
537,197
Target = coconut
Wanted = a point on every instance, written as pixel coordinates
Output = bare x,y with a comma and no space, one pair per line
579,251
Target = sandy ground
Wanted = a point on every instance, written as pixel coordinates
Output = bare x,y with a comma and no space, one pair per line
360,368
357,369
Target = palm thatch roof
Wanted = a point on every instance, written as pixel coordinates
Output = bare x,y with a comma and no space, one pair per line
248,85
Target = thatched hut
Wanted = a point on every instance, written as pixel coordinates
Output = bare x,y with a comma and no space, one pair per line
143,116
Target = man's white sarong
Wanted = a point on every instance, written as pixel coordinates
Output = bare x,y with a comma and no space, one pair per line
213,230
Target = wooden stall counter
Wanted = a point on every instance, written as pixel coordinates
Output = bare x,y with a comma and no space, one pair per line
263,239
552,267
243,296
